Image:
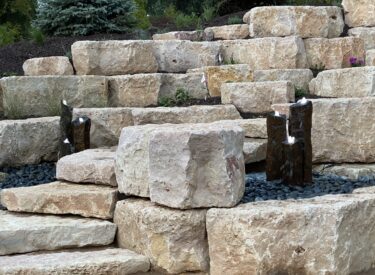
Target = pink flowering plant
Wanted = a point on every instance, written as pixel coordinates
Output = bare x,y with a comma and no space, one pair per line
356,62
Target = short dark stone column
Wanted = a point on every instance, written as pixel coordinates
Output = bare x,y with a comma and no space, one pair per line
276,131
66,130
81,133
293,163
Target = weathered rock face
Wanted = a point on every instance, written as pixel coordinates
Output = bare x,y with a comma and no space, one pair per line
266,53
353,172
370,58
333,53
291,232
79,261
94,166
62,198
196,165
217,75
21,233
40,96
185,35
367,34
352,82
138,90
246,17
191,83
175,56
304,21
254,150
53,65
359,13
113,57
300,78
253,128
174,240
229,32
257,97
29,141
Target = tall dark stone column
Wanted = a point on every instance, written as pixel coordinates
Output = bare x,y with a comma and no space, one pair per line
276,131
81,133
300,124
66,131
293,163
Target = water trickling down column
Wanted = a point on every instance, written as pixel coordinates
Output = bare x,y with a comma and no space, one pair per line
81,133
66,131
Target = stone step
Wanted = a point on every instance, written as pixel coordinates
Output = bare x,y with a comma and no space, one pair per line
359,13
93,166
367,34
98,261
254,150
228,32
62,198
21,233
353,172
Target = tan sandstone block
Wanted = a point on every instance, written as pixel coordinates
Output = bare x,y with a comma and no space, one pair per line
53,65
229,32
359,13
254,150
370,58
253,128
184,35
367,34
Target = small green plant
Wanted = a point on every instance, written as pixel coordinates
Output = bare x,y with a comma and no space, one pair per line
209,12
231,61
184,21
356,62
181,96
233,20
166,101
37,36
300,92
8,34
170,12
316,69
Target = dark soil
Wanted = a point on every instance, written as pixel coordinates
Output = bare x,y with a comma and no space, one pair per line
208,101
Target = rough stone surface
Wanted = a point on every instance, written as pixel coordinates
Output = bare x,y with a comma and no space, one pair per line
78,261
257,97
253,128
53,65
342,129
266,53
29,141
217,75
300,78
285,237
21,233
335,53
229,32
304,21
254,150
94,166
40,96
351,171
113,57
246,17
352,82
370,58
196,165
359,13
62,198
138,90
184,35
176,56
174,240
367,34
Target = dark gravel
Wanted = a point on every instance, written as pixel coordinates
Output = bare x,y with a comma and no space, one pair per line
259,189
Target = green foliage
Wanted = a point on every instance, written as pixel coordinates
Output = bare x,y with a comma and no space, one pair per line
166,101
231,61
209,10
180,98
299,92
233,20
183,21
313,2
37,36
84,17
143,22
8,34
6,74
316,69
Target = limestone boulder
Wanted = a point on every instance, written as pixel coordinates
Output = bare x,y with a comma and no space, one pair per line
53,65
184,35
367,34
285,237
254,150
304,21
351,82
29,141
353,172
114,57
40,96
22,233
62,198
246,17
253,128
76,261
177,56
174,240
196,165
229,32
217,75
139,90
257,97
359,13
335,53
300,78
266,53
95,166
370,58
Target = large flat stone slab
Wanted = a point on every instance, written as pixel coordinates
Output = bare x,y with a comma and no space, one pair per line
95,166
40,96
266,53
174,240
253,128
184,35
62,198
351,82
351,171
229,32
335,53
367,34
257,97
52,65
254,150
76,261
359,13
277,237
304,21
29,141
177,56
21,233
114,57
